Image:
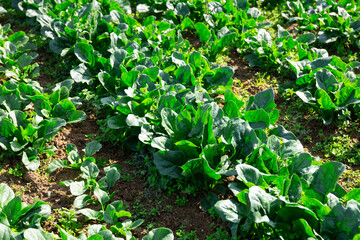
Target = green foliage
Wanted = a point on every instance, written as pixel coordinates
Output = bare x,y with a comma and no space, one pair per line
159,95
19,219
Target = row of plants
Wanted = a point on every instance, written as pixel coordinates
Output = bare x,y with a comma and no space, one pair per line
160,94
30,118
324,81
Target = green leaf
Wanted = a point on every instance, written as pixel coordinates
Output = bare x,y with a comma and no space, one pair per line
92,147
6,195
84,52
199,165
168,162
299,162
295,189
101,195
258,119
342,220
37,234
231,109
250,175
326,177
31,163
6,233
81,74
230,211
81,201
112,175
12,208
159,233
326,81
353,194
188,147
222,77
76,116
302,227
182,9
78,188
320,62
261,205
264,100
89,170
108,81
203,32
241,136
307,38
117,122
92,214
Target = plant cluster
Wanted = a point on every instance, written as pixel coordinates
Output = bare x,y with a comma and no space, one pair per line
160,96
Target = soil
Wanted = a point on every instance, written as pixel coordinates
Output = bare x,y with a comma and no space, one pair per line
151,204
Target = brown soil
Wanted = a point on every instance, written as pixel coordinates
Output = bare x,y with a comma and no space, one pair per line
155,206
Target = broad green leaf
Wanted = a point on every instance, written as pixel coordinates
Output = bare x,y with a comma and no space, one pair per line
342,219
231,109
302,227
112,175
353,194
307,38
292,213
89,170
241,136
37,234
6,233
168,163
159,233
324,100
346,96
326,177
81,74
199,165
101,195
264,100
261,205
6,195
108,81
182,9
55,164
12,208
299,162
294,192
230,211
188,147
78,188
258,119
320,62
84,52
76,116
92,147
81,201
31,163
117,122
326,81
203,32
250,175
92,214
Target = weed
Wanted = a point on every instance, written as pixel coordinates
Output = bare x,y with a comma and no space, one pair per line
68,221
181,201
17,171
350,179
220,234
182,235
128,177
